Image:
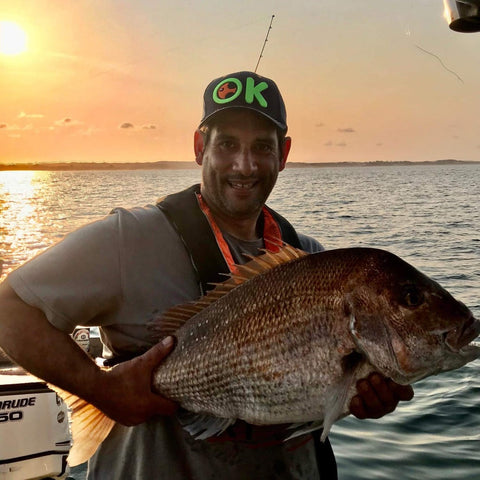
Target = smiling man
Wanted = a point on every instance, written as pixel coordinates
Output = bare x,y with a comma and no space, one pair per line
241,156
118,272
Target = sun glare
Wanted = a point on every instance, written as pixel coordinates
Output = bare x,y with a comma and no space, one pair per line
13,39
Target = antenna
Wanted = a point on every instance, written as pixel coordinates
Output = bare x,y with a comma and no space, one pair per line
264,43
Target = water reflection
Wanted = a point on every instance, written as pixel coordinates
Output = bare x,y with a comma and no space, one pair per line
22,232
38,208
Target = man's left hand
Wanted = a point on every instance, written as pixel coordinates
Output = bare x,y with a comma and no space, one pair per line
377,396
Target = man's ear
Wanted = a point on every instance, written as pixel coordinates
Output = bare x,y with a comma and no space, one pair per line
198,146
287,143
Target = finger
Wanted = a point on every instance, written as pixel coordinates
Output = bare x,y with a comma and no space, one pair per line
372,404
366,403
384,392
402,392
158,352
357,408
388,391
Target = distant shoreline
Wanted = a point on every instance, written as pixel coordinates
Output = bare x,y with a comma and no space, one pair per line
75,166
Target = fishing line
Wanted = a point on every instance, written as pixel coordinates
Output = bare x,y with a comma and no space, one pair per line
264,43
441,63
408,33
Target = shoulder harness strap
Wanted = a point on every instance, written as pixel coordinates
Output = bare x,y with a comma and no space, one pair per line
184,213
192,226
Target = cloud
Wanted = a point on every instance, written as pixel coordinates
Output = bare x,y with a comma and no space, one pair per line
17,128
131,126
341,144
67,122
88,131
346,130
30,115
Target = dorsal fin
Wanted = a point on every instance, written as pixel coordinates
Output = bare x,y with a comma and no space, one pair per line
174,318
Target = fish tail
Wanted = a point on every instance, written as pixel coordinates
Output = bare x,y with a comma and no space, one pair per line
89,427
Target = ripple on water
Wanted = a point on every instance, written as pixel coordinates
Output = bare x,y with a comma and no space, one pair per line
427,215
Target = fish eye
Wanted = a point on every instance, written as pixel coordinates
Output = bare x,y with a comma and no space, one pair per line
412,296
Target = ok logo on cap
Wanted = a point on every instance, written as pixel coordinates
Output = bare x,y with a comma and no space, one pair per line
231,88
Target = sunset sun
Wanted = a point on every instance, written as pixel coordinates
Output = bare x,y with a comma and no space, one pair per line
13,39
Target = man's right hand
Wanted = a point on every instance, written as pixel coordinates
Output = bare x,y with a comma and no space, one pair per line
125,391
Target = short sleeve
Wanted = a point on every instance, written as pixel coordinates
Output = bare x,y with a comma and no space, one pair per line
76,280
309,244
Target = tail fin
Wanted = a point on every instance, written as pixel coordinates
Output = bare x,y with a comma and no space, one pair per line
90,427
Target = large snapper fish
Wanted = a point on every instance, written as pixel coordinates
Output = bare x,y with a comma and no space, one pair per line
286,338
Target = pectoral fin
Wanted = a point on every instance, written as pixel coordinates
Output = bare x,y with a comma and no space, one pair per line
337,397
201,426
298,429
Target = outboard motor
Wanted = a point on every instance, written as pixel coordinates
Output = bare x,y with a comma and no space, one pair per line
463,15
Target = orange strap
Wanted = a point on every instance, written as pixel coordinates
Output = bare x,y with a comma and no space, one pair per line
271,233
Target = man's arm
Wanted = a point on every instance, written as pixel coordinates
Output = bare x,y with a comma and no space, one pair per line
123,393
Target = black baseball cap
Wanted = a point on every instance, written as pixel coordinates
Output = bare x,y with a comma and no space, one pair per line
245,90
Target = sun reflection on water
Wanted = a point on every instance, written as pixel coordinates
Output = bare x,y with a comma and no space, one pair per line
21,222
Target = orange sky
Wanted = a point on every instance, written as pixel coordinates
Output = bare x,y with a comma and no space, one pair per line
117,80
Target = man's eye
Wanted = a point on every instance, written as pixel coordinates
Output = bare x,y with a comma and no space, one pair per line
264,147
227,144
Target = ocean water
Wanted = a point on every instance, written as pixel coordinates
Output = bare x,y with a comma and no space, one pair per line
429,215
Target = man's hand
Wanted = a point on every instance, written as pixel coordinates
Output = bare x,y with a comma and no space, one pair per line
378,396
125,391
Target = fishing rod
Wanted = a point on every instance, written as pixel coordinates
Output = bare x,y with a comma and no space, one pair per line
264,43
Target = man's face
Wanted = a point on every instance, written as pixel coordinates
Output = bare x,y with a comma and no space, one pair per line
240,164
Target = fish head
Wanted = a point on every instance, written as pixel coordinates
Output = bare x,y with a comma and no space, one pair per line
406,324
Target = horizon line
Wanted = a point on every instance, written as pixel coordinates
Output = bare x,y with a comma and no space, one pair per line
166,164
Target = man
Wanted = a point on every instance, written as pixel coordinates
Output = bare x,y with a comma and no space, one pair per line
120,271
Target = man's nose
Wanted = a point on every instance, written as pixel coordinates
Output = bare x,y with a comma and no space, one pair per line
245,162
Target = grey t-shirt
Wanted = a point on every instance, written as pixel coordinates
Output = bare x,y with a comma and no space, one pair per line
242,250
117,273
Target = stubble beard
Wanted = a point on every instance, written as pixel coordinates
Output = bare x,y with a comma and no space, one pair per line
220,197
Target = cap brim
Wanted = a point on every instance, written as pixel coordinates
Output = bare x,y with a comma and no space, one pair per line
279,125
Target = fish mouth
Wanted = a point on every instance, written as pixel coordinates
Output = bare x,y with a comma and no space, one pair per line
460,339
